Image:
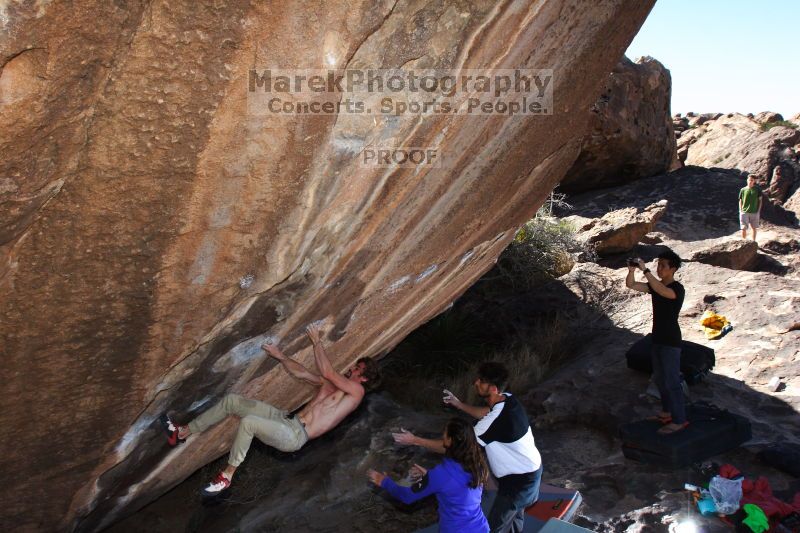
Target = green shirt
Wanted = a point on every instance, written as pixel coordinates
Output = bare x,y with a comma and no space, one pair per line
749,199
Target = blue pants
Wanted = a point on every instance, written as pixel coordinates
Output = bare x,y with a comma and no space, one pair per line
508,512
667,376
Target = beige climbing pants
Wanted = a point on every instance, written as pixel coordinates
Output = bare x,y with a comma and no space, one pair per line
258,419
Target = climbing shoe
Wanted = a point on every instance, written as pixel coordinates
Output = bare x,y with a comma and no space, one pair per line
171,429
219,484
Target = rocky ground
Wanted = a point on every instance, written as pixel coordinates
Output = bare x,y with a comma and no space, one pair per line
762,303
577,409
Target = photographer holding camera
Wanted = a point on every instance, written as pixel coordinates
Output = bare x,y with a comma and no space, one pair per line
667,296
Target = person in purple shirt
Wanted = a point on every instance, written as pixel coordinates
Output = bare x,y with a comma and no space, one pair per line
457,481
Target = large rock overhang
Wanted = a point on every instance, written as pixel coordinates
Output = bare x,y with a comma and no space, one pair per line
154,233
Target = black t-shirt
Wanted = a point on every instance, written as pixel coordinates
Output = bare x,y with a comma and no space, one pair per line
666,330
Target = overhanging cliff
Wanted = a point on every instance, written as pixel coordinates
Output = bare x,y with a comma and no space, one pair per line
154,231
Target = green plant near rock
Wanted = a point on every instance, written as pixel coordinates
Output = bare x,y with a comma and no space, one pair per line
785,123
542,249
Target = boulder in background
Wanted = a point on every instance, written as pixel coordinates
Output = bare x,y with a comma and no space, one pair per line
631,132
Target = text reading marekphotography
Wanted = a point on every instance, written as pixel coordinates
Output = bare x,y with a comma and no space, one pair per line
395,92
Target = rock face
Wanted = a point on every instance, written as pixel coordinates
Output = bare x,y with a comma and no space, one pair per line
154,232
631,131
793,202
740,142
618,231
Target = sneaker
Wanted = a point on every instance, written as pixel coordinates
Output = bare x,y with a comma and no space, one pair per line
171,429
219,484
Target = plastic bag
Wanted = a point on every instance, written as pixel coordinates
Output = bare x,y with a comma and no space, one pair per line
726,493
713,324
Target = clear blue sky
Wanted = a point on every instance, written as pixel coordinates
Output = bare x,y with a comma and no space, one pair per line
726,55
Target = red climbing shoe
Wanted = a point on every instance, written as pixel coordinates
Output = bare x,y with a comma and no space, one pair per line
171,429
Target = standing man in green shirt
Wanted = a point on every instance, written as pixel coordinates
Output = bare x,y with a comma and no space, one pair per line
750,206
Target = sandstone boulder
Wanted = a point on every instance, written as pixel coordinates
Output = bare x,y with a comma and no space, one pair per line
679,124
793,203
631,132
702,118
782,182
618,231
154,230
736,254
766,117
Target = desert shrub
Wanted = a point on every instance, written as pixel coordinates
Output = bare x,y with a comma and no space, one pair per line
769,125
542,249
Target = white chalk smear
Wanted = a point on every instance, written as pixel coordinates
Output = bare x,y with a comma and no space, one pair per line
466,257
199,403
398,284
243,353
427,272
127,441
246,281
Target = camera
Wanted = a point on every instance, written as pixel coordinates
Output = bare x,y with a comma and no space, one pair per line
633,262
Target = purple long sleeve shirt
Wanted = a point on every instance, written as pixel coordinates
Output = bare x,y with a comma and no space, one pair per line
459,504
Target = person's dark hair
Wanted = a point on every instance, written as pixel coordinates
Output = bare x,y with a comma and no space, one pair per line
672,258
494,373
372,371
465,450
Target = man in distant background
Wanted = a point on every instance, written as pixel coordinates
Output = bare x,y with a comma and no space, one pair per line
750,202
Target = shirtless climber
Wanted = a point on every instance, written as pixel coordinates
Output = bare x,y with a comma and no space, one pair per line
338,396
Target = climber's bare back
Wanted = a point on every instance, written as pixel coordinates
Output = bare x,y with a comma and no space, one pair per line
331,404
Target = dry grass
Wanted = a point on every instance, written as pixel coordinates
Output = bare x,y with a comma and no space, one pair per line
529,357
785,123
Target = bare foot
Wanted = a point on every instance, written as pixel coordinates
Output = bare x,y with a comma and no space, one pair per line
671,428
